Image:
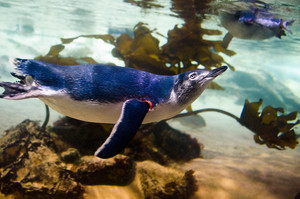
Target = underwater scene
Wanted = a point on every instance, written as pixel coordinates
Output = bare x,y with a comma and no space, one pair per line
150,99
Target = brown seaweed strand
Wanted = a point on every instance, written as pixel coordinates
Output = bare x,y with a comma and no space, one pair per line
208,110
46,118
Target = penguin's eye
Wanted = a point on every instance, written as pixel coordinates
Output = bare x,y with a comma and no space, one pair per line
193,75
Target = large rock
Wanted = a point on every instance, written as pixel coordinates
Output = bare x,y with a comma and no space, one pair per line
119,170
158,141
175,144
30,166
37,164
159,182
71,155
85,137
163,144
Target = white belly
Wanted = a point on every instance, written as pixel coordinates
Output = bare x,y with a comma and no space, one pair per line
104,113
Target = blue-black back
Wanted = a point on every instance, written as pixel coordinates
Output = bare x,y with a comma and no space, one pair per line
97,82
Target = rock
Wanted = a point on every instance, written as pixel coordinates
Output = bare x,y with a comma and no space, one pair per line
142,148
158,141
71,155
159,182
119,170
20,139
31,167
85,137
175,144
163,144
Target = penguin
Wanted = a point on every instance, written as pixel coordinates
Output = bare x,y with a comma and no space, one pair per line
100,93
254,24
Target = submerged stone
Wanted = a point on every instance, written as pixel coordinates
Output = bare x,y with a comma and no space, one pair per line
163,144
38,164
85,137
31,167
118,170
71,155
176,144
158,142
159,182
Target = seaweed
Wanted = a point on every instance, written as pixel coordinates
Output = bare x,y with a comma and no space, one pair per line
53,56
185,50
106,37
144,4
273,130
270,128
142,52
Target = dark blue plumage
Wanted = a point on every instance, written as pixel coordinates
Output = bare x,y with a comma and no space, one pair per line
96,82
108,94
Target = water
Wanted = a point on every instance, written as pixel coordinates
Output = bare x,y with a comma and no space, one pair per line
267,69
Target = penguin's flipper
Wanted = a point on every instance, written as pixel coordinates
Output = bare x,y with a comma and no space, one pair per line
226,40
131,118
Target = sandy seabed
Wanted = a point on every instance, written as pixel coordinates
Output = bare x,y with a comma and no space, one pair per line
235,167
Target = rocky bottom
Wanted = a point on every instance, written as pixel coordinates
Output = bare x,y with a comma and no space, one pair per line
45,164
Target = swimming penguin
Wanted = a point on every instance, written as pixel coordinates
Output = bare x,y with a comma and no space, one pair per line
107,94
253,24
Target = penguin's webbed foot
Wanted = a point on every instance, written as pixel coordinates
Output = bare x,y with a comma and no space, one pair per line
285,25
15,90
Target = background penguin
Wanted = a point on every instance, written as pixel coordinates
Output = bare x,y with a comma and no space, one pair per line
252,24
108,94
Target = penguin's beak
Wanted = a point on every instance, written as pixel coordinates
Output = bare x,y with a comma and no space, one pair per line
215,72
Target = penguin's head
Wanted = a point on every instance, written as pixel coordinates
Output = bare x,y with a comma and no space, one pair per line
189,85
